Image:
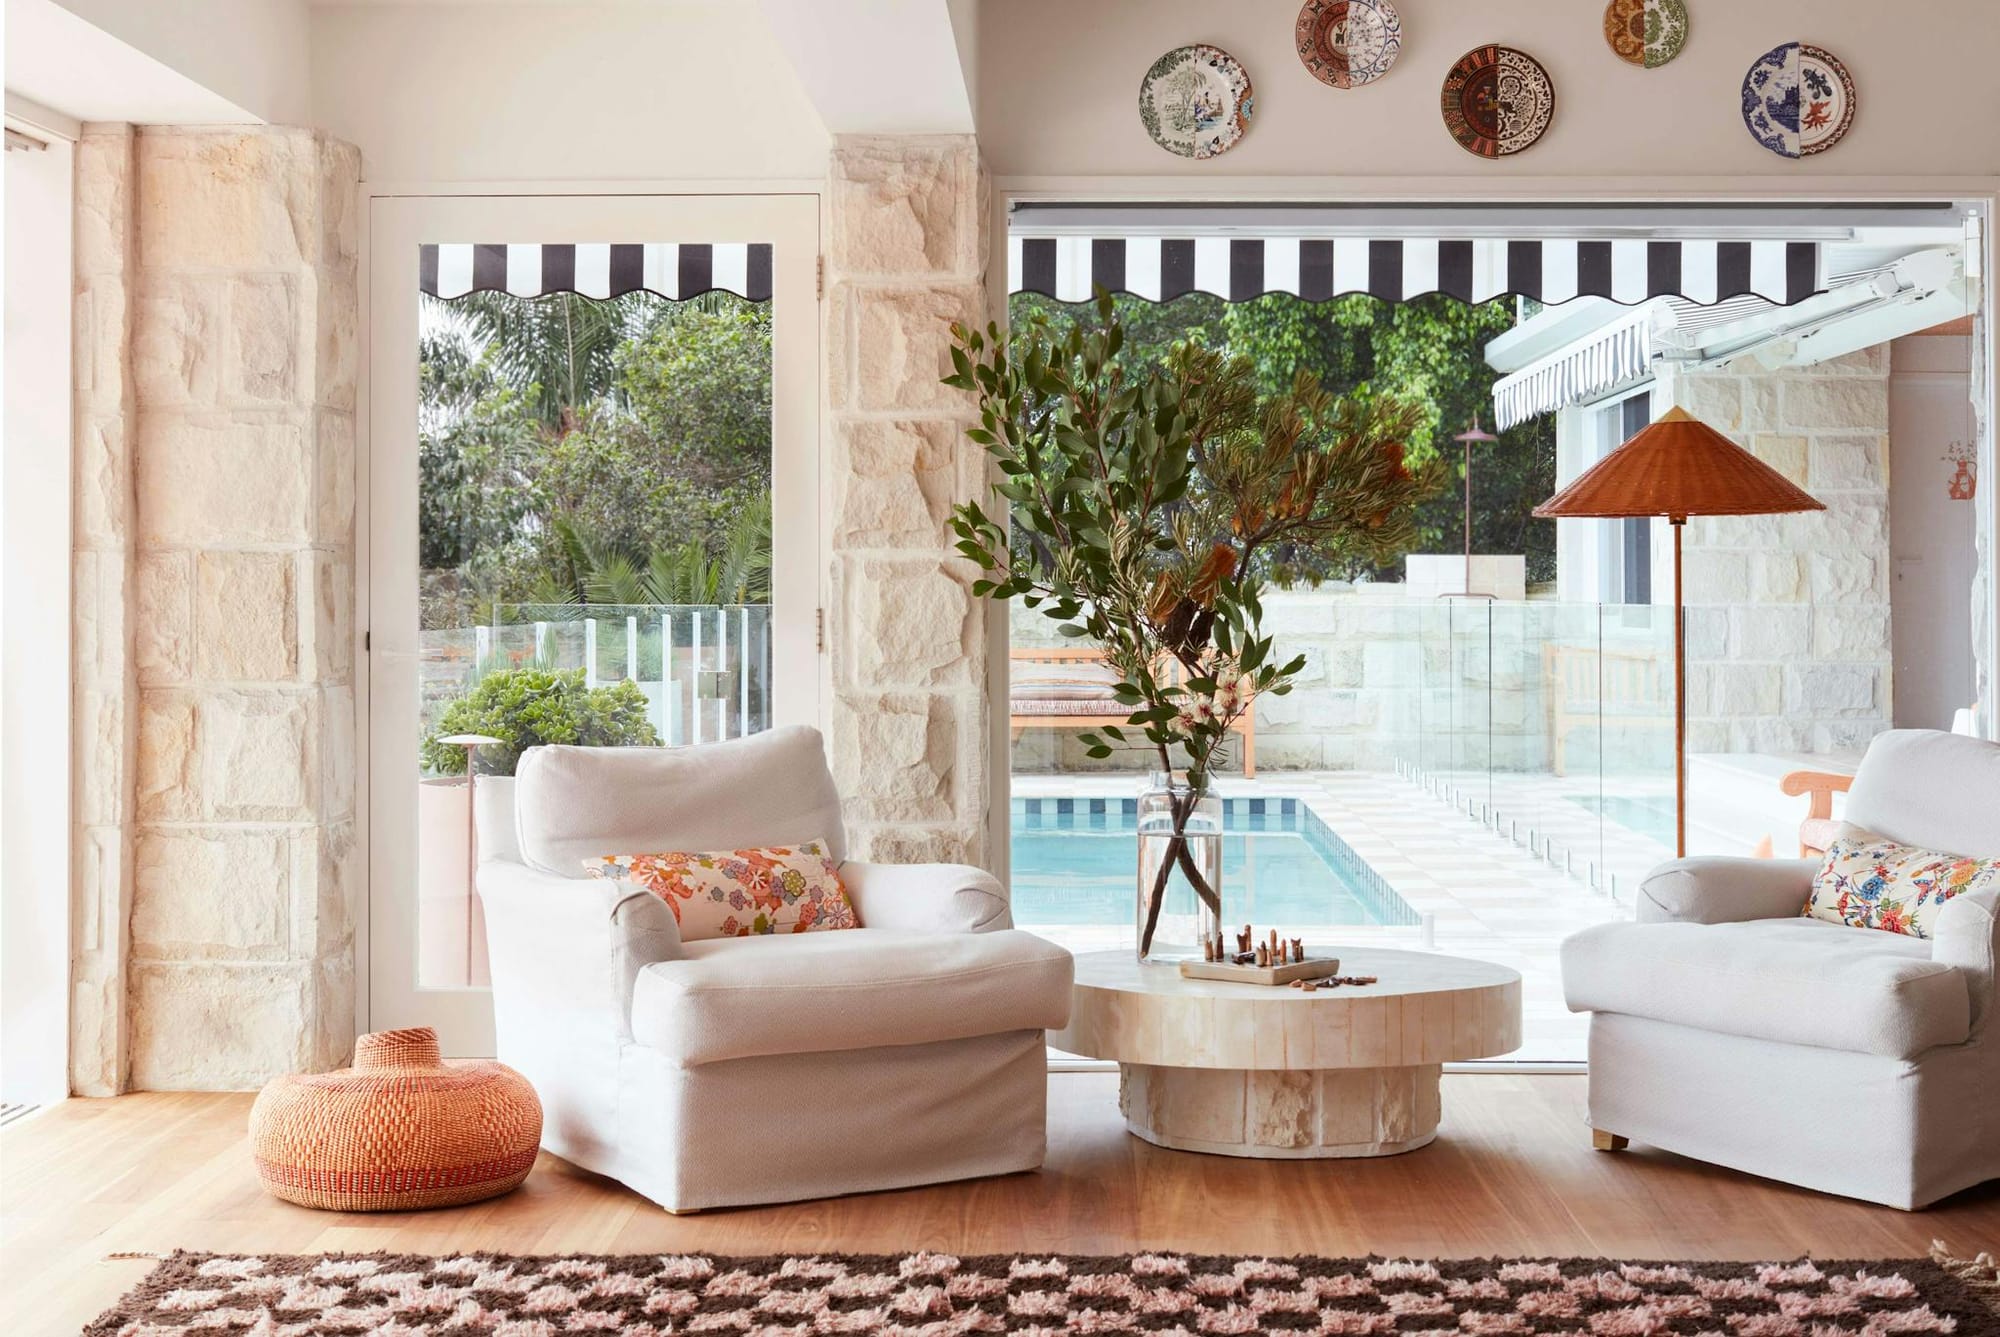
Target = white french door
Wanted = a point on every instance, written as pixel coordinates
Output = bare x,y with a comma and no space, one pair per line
590,419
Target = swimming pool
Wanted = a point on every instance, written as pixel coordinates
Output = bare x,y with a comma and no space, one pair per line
1073,862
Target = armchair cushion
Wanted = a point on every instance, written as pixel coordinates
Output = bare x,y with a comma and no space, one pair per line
578,803
1937,790
737,893
1870,882
1796,981
806,993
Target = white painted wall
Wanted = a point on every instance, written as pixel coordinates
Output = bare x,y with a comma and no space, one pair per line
250,52
1059,79
35,651
1932,559
680,90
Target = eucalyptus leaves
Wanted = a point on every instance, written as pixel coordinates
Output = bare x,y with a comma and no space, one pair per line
1146,510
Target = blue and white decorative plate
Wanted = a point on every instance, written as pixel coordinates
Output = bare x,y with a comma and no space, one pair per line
1196,101
1798,100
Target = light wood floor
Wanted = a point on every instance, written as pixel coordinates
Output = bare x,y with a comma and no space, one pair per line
1511,1173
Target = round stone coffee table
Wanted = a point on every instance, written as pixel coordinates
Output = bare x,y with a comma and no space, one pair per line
1256,1070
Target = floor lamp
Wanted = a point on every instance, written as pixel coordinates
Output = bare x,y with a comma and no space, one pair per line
1676,468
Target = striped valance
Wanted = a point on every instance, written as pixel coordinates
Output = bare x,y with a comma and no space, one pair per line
663,268
1619,355
1071,268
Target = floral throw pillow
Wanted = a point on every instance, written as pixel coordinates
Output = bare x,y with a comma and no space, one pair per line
1869,882
737,893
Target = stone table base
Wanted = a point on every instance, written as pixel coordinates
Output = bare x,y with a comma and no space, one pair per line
1282,1114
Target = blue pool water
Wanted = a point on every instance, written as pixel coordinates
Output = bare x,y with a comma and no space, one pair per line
1074,863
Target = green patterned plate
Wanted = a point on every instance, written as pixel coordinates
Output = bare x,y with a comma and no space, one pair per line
1646,32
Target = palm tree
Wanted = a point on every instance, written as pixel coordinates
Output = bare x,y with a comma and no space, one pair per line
688,574
560,352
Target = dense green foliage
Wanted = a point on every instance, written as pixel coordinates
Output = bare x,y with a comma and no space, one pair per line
525,707
571,448
1427,352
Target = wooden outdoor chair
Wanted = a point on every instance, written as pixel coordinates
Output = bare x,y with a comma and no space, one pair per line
1816,832
1076,694
1604,689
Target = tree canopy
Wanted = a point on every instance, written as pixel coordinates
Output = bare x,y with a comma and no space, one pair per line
582,451
1427,352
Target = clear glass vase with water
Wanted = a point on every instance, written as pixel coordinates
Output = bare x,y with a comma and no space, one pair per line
1180,868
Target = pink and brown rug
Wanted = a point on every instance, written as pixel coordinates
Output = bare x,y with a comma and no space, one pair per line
937,1295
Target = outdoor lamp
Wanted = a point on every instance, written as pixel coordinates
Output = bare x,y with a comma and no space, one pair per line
1675,468
1476,436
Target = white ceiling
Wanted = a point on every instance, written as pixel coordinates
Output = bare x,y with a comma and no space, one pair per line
57,59
882,67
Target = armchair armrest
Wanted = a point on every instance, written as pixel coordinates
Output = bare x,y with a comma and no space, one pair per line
1712,889
927,897
569,949
1967,936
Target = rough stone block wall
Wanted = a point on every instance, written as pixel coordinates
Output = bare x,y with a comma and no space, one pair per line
101,618
233,780
906,256
1788,615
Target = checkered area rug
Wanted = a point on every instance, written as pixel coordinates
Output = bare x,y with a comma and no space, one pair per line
937,1295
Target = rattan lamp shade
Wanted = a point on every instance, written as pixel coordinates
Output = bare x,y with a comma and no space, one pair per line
1678,467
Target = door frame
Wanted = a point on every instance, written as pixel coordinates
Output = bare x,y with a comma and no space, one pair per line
400,216
38,837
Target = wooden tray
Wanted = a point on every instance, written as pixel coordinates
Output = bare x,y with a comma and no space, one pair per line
1312,968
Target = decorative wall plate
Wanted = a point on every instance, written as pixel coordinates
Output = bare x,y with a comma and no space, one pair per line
1348,43
1646,32
1497,101
1798,100
1196,101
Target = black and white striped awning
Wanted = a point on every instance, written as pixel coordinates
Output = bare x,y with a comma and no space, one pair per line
599,270
1618,355
1237,269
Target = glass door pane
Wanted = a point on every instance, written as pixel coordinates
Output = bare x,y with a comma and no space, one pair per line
582,450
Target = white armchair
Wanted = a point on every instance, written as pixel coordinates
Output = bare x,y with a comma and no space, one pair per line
765,1069
1727,1027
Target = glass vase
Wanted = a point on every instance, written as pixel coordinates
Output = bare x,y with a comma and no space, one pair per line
1180,869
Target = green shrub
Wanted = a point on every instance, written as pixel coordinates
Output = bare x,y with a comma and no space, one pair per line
527,706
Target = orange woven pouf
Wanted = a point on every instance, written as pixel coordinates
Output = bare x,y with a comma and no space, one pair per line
401,1129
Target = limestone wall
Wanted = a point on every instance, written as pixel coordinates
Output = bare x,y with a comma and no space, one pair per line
1442,686
1788,615
218,335
906,255
105,692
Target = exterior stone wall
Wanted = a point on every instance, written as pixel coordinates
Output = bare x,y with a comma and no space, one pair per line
906,256
1393,679
215,698
1788,615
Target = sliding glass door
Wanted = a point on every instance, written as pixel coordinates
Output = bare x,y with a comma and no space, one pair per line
593,519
